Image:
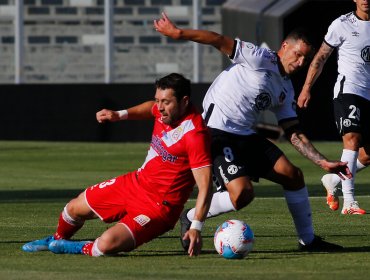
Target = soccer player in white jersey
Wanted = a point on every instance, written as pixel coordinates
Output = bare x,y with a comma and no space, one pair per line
148,202
257,80
350,35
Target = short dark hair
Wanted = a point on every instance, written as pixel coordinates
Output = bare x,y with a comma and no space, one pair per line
301,33
177,82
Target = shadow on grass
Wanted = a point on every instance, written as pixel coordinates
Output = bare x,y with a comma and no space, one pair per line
38,195
66,194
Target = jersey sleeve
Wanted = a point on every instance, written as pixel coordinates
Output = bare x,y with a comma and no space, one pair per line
333,37
155,110
252,55
198,147
288,108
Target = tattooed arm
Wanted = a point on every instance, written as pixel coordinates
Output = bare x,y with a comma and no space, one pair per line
313,73
304,146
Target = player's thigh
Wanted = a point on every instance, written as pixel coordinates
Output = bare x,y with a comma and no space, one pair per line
147,223
286,174
228,163
244,158
77,208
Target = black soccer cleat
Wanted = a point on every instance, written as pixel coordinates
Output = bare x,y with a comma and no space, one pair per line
185,224
319,245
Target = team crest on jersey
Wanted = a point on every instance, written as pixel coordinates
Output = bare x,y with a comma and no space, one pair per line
365,54
263,101
142,219
232,169
177,133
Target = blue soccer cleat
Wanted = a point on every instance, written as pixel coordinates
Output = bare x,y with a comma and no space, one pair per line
38,245
62,246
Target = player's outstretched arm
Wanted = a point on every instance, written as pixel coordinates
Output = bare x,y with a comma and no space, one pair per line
203,179
166,27
304,146
140,112
313,73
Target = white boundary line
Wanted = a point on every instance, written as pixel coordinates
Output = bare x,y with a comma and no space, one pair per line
311,197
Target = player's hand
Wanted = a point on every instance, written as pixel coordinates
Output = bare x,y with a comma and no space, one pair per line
195,242
107,115
304,98
338,167
166,27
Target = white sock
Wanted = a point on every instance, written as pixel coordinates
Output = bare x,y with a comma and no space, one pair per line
69,219
221,203
335,179
95,251
300,209
348,185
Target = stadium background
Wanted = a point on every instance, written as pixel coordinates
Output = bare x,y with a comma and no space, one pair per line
62,81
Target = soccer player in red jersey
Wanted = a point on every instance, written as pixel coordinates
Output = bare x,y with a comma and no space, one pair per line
147,202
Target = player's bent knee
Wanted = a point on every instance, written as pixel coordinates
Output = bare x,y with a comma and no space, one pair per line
116,239
243,199
295,180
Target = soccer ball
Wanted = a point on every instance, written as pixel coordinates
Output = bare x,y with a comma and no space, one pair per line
234,239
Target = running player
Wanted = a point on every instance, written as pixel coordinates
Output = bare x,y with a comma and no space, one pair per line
350,35
148,202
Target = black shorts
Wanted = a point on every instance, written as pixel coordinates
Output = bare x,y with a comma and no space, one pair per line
235,156
352,114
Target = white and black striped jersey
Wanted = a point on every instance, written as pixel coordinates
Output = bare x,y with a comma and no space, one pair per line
250,85
351,36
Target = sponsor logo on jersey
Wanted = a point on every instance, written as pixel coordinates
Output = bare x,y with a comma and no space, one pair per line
232,169
226,181
142,219
365,54
162,152
355,34
347,122
263,101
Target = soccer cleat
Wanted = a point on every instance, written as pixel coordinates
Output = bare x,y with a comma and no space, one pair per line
319,245
38,245
353,209
63,246
184,227
332,198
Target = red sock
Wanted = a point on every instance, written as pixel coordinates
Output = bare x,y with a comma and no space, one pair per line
87,249
65,230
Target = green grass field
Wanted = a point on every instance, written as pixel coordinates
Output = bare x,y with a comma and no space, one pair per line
38,178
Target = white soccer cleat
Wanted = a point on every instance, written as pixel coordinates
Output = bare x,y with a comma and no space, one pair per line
353,209
330,185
